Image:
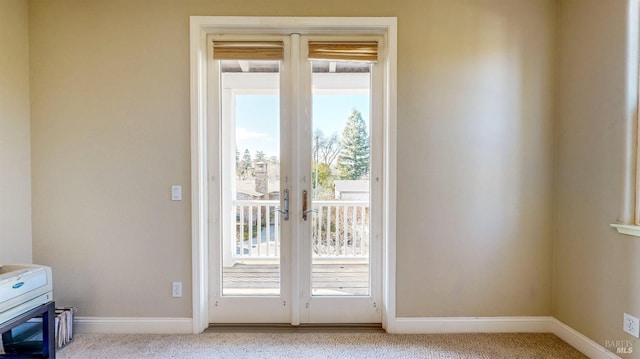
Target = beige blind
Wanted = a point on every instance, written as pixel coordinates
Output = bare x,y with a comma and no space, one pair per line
245,50
344,51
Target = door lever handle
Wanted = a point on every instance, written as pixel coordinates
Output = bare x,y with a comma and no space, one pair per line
305,211
284,212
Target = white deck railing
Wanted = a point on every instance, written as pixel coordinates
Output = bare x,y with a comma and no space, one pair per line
339,229
257,229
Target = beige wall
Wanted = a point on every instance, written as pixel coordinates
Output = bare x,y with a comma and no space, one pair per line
110,133
596,269
475,158
15,167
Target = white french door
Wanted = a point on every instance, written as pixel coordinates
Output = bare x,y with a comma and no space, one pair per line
296,146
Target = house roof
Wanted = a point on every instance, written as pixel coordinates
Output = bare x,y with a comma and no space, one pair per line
249,187
351,185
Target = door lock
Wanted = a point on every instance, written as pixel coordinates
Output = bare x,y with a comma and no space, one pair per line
285,202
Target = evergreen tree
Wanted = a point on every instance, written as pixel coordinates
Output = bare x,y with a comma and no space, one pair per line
238,167
260,157
246,162
353,161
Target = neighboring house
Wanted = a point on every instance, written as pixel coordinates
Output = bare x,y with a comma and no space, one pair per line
246,190
260,187
355,190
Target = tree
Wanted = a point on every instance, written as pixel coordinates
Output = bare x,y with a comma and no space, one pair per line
325,149
353,161
318,141
238,165
331,149
323,173
322,181
260,157
246,162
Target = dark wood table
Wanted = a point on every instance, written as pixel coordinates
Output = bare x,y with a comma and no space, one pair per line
16,347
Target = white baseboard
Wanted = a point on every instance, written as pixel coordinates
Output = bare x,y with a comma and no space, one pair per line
585,345
441,325
128,325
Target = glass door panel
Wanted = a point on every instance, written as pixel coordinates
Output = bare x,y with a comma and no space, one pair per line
294,134
251,249
340,229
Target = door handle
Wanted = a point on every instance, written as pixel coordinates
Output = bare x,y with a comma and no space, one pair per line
285,202
305,204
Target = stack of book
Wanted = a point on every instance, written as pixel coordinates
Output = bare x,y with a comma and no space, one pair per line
64,325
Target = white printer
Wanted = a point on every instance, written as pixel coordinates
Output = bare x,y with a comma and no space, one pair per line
22,288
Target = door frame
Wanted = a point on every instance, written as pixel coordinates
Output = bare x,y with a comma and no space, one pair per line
200,28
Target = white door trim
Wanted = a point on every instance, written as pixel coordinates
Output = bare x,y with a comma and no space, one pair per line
200,27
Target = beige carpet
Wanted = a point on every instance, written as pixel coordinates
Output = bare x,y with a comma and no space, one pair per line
317,344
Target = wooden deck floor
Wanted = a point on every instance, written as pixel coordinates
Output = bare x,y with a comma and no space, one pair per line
327,279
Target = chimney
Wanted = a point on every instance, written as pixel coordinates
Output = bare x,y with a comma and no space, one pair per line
262,184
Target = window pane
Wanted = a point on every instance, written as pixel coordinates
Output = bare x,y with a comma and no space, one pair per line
251,109
341,167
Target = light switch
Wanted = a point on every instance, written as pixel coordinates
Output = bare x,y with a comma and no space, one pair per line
176,193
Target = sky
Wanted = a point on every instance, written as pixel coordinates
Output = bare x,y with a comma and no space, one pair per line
257,118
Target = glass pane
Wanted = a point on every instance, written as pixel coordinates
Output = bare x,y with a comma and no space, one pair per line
341,166
251,243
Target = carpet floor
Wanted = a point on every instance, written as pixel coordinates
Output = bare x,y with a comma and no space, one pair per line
317,344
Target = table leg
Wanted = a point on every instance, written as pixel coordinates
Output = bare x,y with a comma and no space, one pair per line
48,333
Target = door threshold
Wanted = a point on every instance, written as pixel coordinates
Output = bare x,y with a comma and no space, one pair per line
288,328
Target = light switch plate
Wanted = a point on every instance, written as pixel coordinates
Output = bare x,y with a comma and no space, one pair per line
176,193
176,289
